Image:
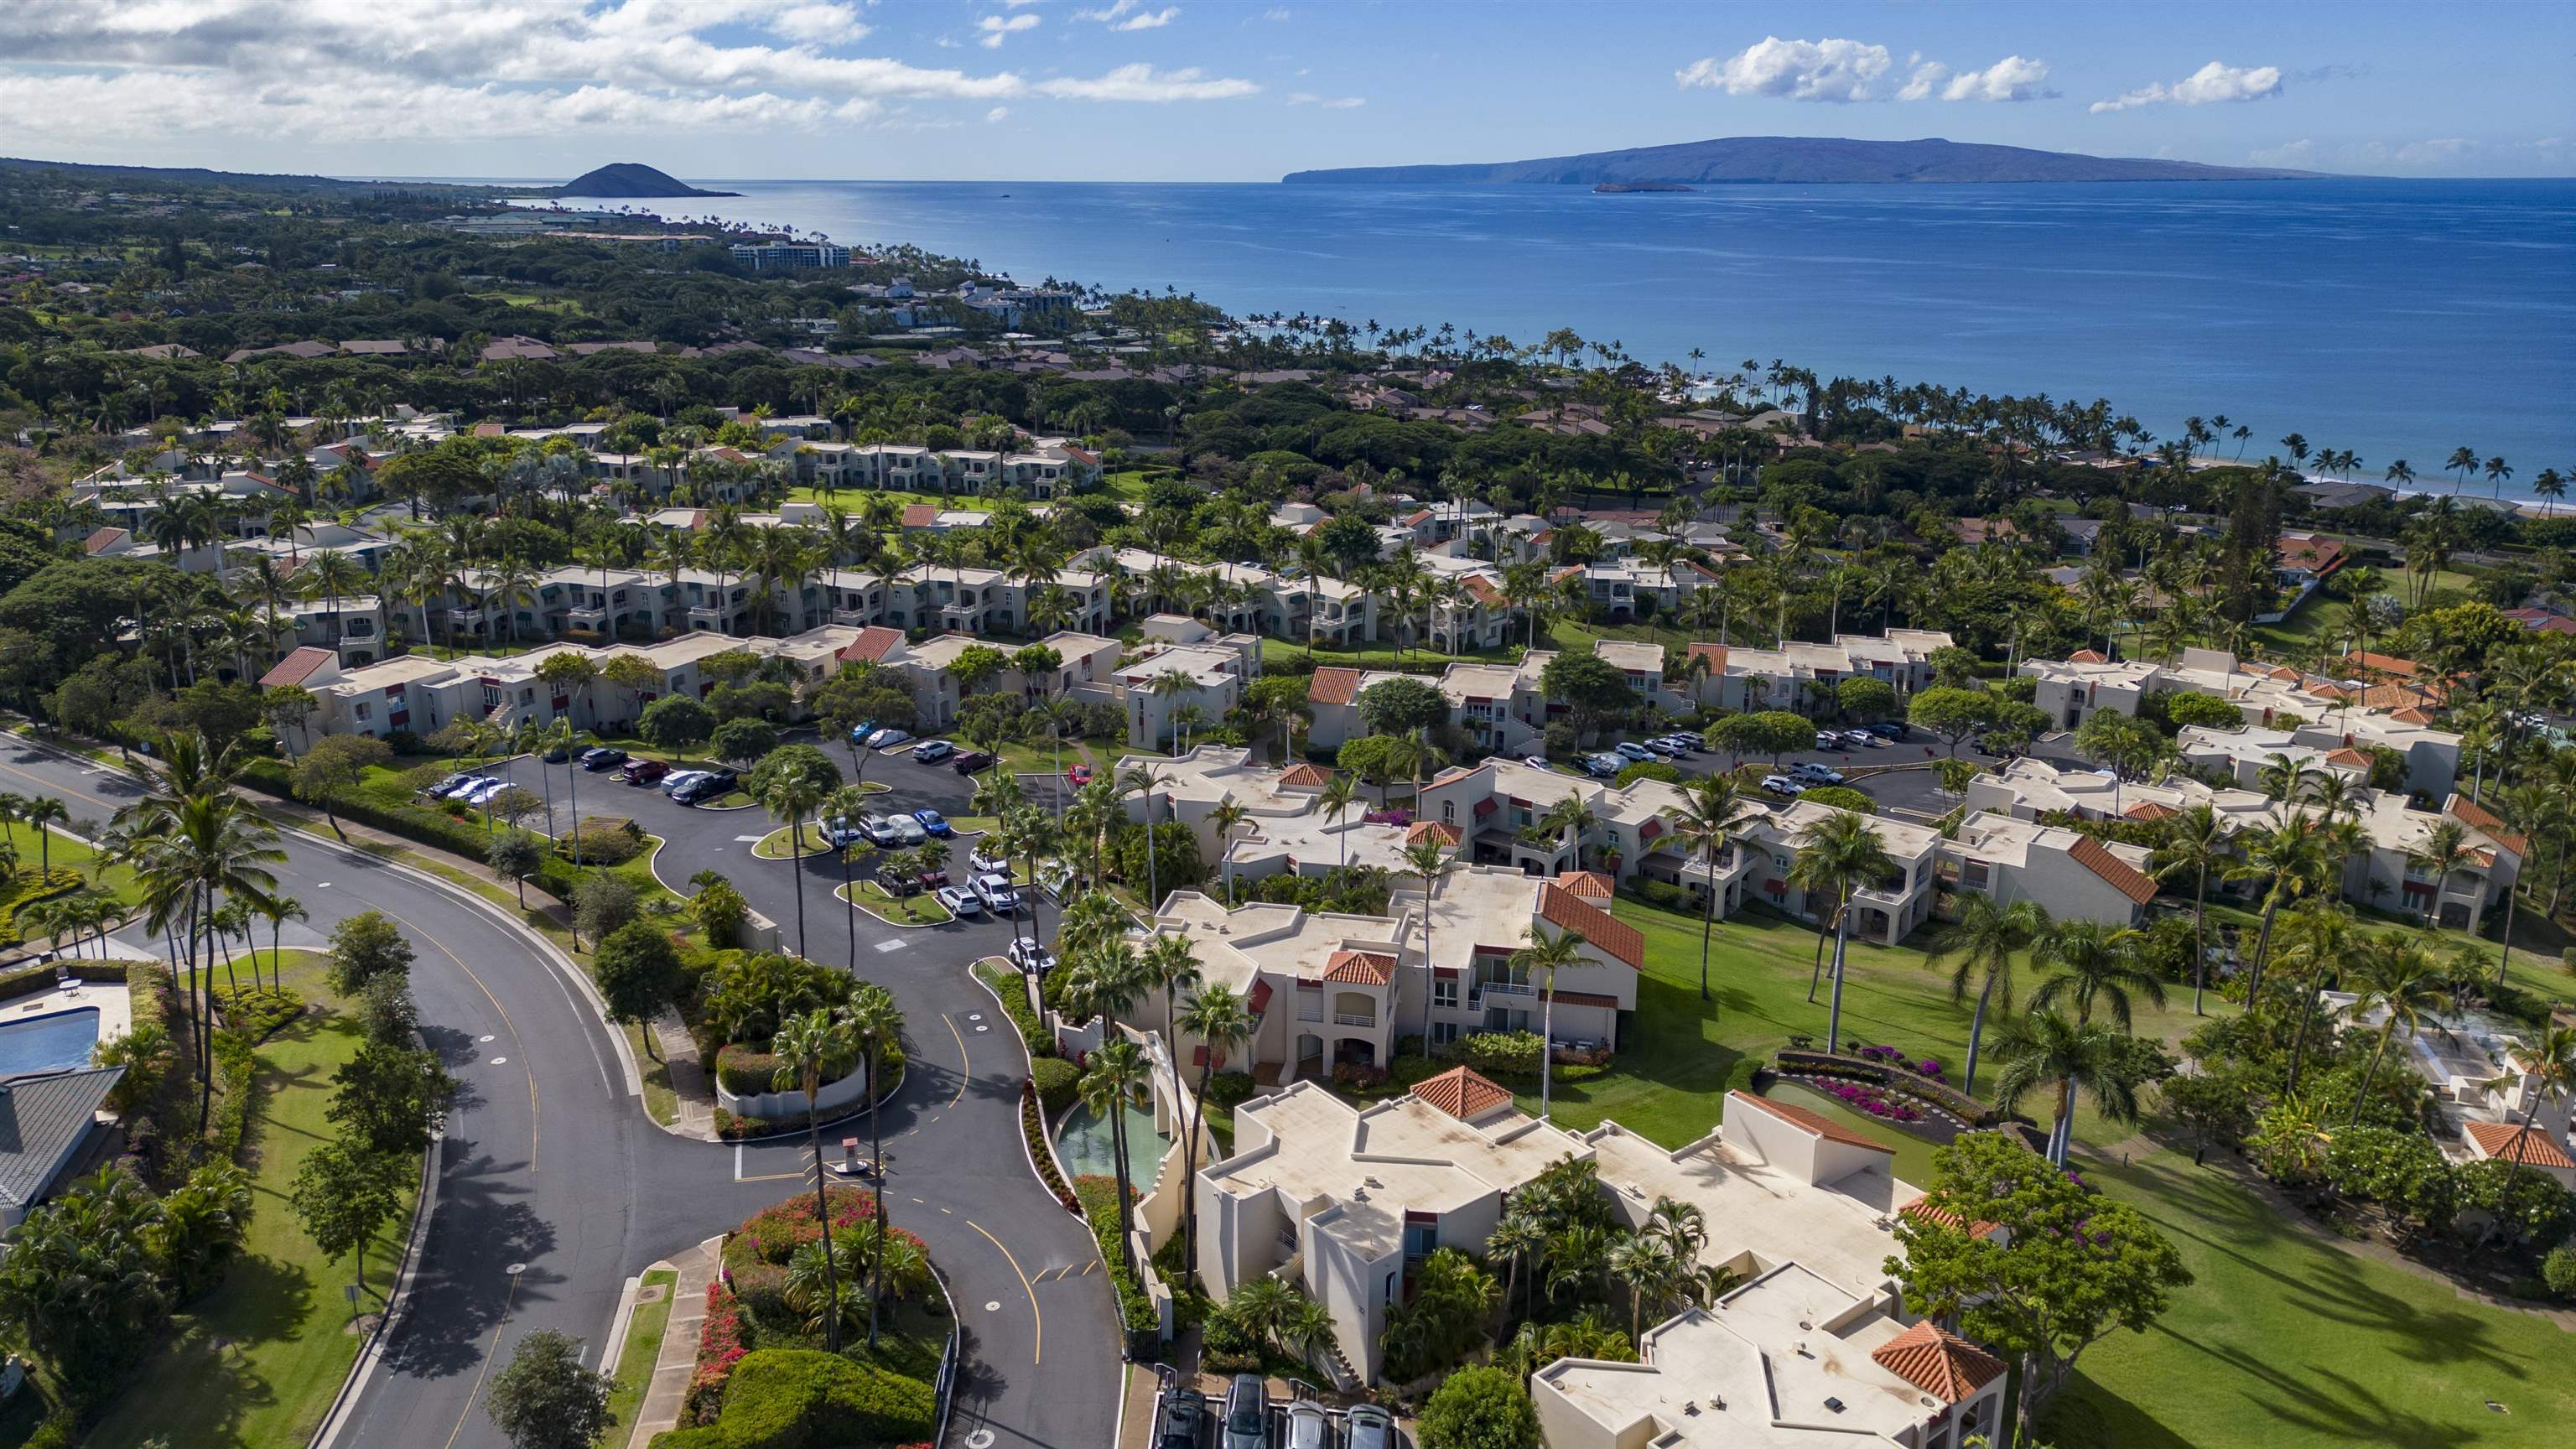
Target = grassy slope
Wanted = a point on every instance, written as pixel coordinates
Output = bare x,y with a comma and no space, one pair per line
636,1357
257,1361
2284,1340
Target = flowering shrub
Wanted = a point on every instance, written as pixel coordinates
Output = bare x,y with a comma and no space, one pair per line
720,1347
1869,1099
1396,816
1881,1053
773,1234
1352,1074
1928,1067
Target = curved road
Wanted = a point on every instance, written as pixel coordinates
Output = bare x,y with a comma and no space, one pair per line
555,1187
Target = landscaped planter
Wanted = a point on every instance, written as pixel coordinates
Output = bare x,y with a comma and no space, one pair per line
847,1091
1892,1078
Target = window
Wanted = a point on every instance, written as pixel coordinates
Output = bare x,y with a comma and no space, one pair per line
1443,1032
1449,811
1444,992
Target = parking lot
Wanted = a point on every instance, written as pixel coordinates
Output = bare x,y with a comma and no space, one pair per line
1912,789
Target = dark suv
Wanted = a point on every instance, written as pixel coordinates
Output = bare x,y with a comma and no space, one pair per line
970,761
1183,1424
714,786
602,758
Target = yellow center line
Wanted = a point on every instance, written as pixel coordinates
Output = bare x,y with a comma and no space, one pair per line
962,1076
507,1303
516,1045
1037,1343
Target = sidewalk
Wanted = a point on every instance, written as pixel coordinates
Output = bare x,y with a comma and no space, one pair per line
688,1077
679,1357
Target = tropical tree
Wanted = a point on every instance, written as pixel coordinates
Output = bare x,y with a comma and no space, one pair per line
2049,1050
1540,960
1982,946
2400,983
1714,811
2194,844
811,1048
1219,1020
1118,1077
2090,962
877,1022
1836,856
790,795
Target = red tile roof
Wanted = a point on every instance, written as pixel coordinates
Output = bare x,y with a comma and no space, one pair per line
1332,686
1462,1093
920,515
1938,1362
1583,998
2348,756
2127,879
2384,663
2543,620
2147,810
871,645
1483,589
1359,968
1928,1211
1592,885
1305,774
2412,716
1433,830
1566,911
2087,656
2497,1139
105,538
1715,654
2308,551
1815,1122
2471,813
296,668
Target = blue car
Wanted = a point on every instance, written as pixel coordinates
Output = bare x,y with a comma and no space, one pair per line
933,822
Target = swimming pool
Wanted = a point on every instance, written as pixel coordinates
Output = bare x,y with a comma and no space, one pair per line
1083,1142
48,1043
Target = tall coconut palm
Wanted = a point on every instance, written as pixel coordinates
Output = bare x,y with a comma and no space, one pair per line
2047,1049
1221,1023
795,793
1647,1266
2194,844
2398,979
1169,964
1545,955
1118,1077
2088,963
1714,812
1339,794
1982,946
2287,861
1517,1238
2547,1063
874,1019
2316,942
1149,781
1227,814
812,1048
1838,855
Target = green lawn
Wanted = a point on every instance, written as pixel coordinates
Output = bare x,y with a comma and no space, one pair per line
258,1361
636,1357
69,854
912,910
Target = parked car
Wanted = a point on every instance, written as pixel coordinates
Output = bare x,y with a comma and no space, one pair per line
1308,1426
982,864
960,901
930,880
1078,774
485,793
934,822
1246,1414
602,757
931,752
1631,750
1816,774
1665,748
1869,738
888,738
1894,729
1535,762
643,772
556,754
449,786
1781,785
908,831
1604,766
996,890
713,785
1367,1426
1031,957
881,830
1828,740
970,761
1688,744
1183,1421
678,780
841,832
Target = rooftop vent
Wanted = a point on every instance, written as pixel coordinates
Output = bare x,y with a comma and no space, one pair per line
1834,1404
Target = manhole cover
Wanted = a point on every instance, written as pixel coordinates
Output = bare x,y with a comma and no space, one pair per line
974,1016
515,1269
983,1028
498,1062
980,1439
654,1294
993,1307
487,1038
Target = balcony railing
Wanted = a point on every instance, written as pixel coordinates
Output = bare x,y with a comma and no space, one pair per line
1354,1018
1509,989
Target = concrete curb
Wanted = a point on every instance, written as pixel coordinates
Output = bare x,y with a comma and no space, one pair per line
424,1206
612,1344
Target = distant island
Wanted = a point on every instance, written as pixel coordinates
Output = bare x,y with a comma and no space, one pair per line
1759,160
629,179
1623,188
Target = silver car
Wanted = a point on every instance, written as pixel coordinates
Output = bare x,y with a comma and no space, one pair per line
1246,1414
1308,1426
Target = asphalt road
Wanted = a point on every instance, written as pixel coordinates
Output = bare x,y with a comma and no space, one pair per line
555,1187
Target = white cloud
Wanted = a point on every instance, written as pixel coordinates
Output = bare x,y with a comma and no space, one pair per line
997,27
2454,155
1276,13
1130,15
2211,83
997,114
2012,78
431,70
1330,103
1142,82
817,24
1797,70
1925,82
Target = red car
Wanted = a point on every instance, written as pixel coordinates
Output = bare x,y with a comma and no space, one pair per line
1079,774
643,772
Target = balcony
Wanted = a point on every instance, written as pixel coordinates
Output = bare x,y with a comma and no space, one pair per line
1354,1018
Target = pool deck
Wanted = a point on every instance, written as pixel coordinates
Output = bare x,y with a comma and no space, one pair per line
108,998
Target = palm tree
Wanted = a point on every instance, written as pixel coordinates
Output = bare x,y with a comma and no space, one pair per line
1169,964
2549,1066
1118,1076
1837,855
1706,825
1570,819
2287,861
2045,1049
2093,962
873,1017
793,794
1984,943
39,814
1647,1265
1218,1018
1517,1237
811,1048
1149,780
277,910
1227,814
1547,954
2195,842
2445,848
1339,795
2397,976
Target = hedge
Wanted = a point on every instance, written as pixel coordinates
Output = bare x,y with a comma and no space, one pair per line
748,1071
1056,1080
1015,1004
795,1398
1099,1199
31,887
258,1014
1033,1136
703,1437
1857,1069
41,978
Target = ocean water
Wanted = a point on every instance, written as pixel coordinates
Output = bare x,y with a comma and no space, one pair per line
2398,319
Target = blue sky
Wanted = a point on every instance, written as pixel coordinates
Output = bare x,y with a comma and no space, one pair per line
1192,90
